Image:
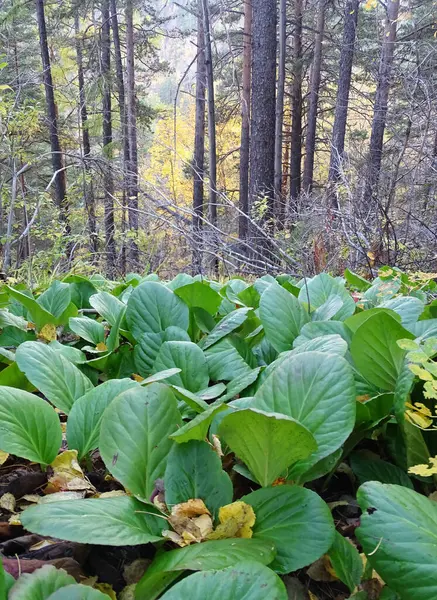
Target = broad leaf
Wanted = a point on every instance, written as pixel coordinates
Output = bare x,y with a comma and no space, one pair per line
316,329
40,584
323,287
90,330
371,468
108,306
190,359
30,427
408,308
149,345
333,344
267,442
398,533
37,314
318,390
78,592
56,377
228,324
56,299
8,319
118,521
346,561
287,515
244,580
194,470
225,362
197,428
134,441
282,316
199,295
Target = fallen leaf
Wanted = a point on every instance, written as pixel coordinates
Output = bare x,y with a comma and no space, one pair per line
321,570
216,444
107,589
425,470
137,378
3,457
190,509
236,520
42,544
8,502
191,522
67,475
48,332
101,347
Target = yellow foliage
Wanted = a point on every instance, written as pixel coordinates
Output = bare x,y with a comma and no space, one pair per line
236,520
425,470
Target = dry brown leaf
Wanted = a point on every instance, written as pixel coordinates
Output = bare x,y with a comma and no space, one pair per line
67,475
319,570
8,502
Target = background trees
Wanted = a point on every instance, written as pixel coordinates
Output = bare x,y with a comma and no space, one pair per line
318,119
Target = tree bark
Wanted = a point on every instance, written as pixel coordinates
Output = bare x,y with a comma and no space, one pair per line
279,209
343,91
316,71
296,105
131,111
245,122
88,185
381,102
108,179
60,184
199,144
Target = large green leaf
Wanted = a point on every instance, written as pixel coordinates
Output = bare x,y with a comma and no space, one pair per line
134,441
375,351
230,323
197,428
199,295
371,468
13,377
296,521
225,362
398,533
152,308
194,470
30,427
84,420
282,316
40,584
8,319
90,330
318,390
333,344
117,521
407,307
323,287
149,345
316,329
190,359
37,314
216,554
244,580
267,442
78,592
346,561
49,371
108,306
56,299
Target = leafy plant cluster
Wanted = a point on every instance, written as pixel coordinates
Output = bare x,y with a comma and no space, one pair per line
227,411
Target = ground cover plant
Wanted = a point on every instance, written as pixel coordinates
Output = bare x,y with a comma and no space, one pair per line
239,439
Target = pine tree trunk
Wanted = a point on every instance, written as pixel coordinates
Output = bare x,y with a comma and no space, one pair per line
316,71
88,185
199,145
343,91
131,111
108,179
381,103
280,207
245,122
296,105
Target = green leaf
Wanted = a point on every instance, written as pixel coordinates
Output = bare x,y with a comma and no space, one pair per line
38,315
56,299
12,376
192,400
267,442
40,584
8,319
244,580
134,441
398,533
85,418
194,470
216,554
323,287
356,281
228,324
30,427
190,359
78,592
6,582
108,306
225,362
149,345
408,308
375,351
358,319
239,384
57,378
318,390
117,521
197,428
371,468
425,329
152,308
346,561
317,329
333,344
90,330
199,295
287,516
282,316
328,309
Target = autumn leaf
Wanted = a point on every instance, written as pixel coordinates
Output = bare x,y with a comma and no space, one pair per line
48,333
67,474
425,470
236,520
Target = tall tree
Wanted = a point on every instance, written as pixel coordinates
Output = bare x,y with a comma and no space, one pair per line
245,122
199,143
316,71
108,179
381,101
343,91
131,112
60,183
279,210
296,104
262,139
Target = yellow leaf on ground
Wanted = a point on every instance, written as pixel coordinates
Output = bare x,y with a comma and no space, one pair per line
425,470
236,520
190,509
48,333
8,502
101,347
67,474
105,588
191,522
3,457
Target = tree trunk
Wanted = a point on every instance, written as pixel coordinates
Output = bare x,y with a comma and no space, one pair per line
88,186
381,102
107,143
262,141
60,184
296,104
343,90
199,145
131,111
124,126
245,122
279,209
316,71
